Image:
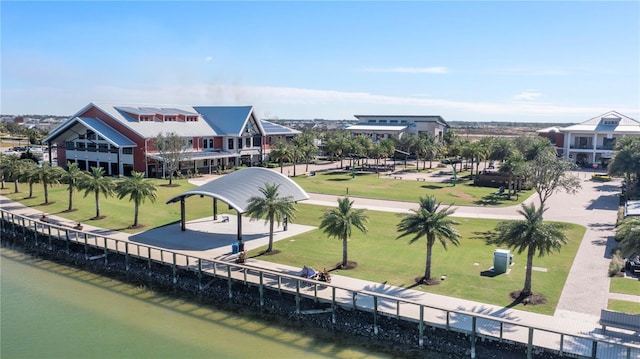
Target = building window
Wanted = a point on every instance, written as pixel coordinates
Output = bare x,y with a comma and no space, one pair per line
127,151
247,142
230,143
81,145
103,147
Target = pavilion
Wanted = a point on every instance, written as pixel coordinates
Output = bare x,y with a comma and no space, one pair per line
235,189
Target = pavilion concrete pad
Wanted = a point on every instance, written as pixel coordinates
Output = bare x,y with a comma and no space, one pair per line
211,238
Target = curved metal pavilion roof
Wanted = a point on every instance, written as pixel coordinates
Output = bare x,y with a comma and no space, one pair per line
236,188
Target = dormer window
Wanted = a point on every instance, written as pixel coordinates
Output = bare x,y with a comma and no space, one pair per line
192,118
610,121
170,118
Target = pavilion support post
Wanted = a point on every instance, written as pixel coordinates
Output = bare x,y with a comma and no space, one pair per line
240,244
183,225
215,209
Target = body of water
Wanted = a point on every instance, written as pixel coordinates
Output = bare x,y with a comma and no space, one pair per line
54,311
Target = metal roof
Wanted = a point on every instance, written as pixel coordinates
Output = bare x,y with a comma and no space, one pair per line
382,128
412,118
150,129
238,187
105,131
271,128
625,124
226,120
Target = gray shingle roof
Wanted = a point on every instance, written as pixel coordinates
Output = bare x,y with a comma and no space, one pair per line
236,188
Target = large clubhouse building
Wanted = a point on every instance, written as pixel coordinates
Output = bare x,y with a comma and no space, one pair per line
120,138
592,142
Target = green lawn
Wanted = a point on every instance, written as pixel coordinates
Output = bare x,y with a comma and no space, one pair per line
625,286
381,257
372,186
118,213
384,259
624,306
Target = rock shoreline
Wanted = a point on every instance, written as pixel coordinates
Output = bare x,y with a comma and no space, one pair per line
397,338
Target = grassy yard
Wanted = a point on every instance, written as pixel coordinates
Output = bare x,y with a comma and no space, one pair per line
118,213
384,259
624,306
381,257
372,186
625,286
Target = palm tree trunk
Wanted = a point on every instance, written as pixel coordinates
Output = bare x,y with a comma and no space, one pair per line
427,270
281,165
344,250
46,193
15,186
70,198
97,204
271,220
30,190
526,291
136,206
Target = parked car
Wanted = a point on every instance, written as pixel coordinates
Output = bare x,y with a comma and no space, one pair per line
632,264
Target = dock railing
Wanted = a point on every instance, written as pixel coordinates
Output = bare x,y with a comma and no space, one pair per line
474,325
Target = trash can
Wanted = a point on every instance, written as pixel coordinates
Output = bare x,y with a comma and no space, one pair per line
240,246
502,259
313,173
234,248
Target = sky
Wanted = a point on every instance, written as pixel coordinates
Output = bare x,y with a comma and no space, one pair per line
542,61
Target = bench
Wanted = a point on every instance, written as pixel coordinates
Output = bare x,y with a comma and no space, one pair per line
397,177
609,318
225,219
421,179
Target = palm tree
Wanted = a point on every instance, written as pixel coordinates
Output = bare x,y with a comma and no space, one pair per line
49,175
72,177
626,160
271,206
338,222
628,233
512,167
97,183
30,175
281,152
138,189
431,223
531,235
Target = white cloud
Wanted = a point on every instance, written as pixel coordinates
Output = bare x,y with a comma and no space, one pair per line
410,70
289,102
208,59
527,95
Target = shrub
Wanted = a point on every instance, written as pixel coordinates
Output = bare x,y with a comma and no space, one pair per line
616,265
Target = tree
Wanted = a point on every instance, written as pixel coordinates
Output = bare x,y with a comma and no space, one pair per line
271,206
30,175
549,174
338,222
338,144
530,235
432,223
48,176
138,189
72,177
501,149
97,183
628,234
512,167
171,148
626,159
281,152
306,146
